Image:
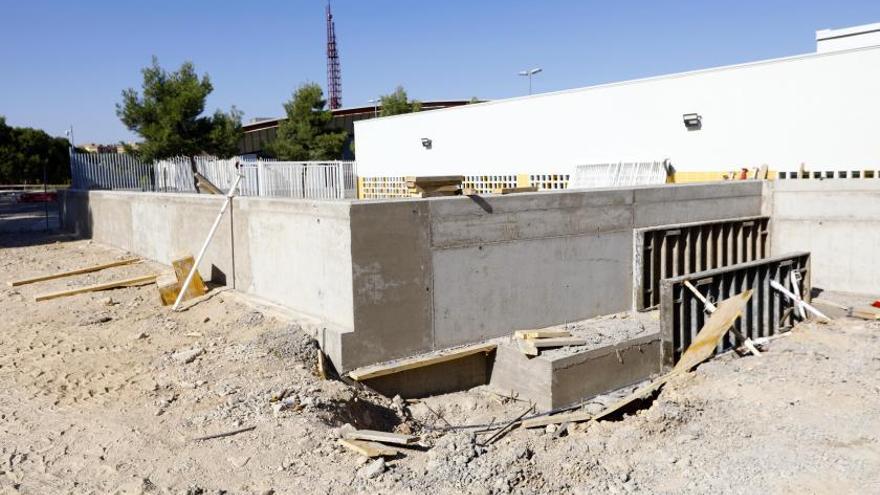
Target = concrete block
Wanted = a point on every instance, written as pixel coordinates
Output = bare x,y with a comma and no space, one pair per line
552,381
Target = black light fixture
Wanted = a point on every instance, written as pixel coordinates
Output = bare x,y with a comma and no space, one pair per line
426,142
693,121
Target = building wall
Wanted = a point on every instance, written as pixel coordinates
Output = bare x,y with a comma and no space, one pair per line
837,222
819,109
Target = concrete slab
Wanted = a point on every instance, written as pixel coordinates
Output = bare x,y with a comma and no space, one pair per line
628,353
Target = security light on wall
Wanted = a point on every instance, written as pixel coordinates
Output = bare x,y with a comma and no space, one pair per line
692,121
426,142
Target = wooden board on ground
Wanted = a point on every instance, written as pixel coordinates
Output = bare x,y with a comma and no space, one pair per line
574,417
78,271
368,449
541,334
128,282
380,436
383,369
168,287
531,347
182,266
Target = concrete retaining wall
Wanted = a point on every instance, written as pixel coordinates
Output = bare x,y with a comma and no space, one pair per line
837,222
398,277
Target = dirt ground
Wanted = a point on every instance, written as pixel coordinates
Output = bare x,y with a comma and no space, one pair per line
108,392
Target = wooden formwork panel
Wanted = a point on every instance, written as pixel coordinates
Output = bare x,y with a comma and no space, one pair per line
682,314
676,250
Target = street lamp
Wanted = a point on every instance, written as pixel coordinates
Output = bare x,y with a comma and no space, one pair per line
375,103
529,73
69,134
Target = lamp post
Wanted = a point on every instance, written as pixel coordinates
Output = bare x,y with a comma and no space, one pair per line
375,103
529,73
69,134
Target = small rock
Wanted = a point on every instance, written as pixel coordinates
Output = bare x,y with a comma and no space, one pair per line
373,469
108,301
95,319
141,336
187,356
550,429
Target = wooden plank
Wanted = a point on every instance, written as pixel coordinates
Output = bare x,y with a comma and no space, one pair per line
435,180
380,436
558,342
368,449
414,362
541,334
128,282
78,271
515,190
719,322
527,347
701,349
574,417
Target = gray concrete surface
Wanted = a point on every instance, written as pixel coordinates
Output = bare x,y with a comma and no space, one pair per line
398,277
557,380
838,222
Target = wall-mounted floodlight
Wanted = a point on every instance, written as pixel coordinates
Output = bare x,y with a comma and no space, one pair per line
692,121
426,142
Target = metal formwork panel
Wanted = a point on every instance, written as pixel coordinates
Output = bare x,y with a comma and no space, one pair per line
675,250
682,315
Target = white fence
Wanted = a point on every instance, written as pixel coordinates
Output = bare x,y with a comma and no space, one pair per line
267,178
619,174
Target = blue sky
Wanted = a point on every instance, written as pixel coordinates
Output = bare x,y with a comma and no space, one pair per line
67,62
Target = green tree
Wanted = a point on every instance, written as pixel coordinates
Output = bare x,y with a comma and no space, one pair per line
169,115
306,134
398,102
26,152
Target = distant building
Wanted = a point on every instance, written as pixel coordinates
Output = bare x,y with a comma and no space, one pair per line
260,131
817,112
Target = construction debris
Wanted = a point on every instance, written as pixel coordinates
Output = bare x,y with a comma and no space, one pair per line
78,271
428,187
540,334
225,434
707,340
514,190
380,436
799,303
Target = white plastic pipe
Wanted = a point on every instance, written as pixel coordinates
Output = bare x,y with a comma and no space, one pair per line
201,255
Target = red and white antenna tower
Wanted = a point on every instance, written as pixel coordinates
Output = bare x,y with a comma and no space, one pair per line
334,80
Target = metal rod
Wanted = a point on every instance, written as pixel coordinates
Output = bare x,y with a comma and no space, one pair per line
198,260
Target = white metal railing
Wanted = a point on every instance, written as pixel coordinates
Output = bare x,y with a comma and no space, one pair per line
619,174
267,178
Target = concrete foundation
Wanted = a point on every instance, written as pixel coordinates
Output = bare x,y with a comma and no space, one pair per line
393,278
553,380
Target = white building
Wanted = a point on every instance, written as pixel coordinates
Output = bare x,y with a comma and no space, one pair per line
820,109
